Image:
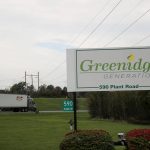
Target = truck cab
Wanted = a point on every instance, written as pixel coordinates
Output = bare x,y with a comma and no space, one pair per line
31,104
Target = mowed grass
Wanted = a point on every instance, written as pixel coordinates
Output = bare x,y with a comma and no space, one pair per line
45,131
51,104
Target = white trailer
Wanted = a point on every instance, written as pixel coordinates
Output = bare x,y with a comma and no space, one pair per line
16,102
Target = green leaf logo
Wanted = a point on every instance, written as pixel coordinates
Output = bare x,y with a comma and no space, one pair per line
131,57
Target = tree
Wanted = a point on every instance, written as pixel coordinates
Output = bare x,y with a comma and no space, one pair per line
64,92
42,90
50,90
31,91
129,105
18,88
98,104
58,91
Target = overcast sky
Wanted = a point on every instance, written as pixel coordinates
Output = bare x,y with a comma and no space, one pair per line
34,34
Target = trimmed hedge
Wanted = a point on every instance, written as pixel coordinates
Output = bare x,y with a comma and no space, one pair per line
87,140
138,139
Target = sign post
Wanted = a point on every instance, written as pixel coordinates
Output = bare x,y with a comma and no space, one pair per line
71,105
75,111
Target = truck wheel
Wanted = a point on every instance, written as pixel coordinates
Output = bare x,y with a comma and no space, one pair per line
25,110
16,110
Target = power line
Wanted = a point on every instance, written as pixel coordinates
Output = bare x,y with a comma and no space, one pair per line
124,18
88,35
91,21
92,31
99,12
100,23
51,72
56,68
146,37
59,77
128,27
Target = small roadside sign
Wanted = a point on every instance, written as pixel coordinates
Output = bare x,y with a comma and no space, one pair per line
68,105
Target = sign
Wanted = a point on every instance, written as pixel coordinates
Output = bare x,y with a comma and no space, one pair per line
68,105
115,69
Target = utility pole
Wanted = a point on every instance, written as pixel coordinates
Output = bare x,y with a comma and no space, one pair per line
38,80
25,78
32,75
31,79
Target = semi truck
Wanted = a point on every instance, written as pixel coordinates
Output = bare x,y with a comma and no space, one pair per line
16,103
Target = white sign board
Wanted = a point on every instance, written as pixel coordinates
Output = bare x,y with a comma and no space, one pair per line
115,69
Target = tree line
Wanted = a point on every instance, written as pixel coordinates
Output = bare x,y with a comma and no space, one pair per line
127,105
43,91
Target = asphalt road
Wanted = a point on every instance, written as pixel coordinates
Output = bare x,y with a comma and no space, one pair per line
61,111
48,111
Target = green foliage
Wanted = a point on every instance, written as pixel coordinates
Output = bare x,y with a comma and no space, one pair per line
18,88
87,140
138,144
138,139
44,90
98,105
129,105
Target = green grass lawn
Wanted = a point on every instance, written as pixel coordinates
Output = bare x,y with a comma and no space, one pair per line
29,131
49,103
57,103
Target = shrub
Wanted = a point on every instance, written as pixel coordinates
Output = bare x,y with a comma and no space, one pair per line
87,140
138,139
